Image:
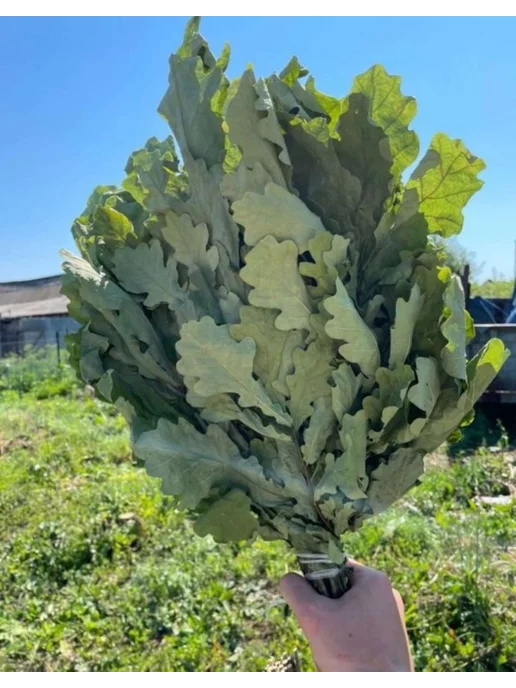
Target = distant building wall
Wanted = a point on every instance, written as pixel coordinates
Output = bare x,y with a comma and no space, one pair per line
33,313
16,334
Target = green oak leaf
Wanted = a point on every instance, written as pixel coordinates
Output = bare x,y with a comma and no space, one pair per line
391,111
229,519
320,428
313,367
444,180
190,243
220,408
391,480
153,176
137,341
243,121
278,213
345,390
91,347
271,269
347,325
187,104
330,261
254,179
190,463
230,305
222,365
452,406
113,226
425,393
453,328
392,389
318,173
347,472
143,270
274,348
407,313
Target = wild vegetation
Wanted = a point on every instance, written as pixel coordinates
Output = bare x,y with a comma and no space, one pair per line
99,571
500,288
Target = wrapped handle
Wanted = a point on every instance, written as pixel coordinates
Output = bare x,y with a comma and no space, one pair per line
324,576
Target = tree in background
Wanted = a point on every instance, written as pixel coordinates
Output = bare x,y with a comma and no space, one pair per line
457,258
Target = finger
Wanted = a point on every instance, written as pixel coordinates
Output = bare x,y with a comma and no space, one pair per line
399,602
363,575
298,592
307,605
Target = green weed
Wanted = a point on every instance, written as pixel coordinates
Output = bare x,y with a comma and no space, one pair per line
99,571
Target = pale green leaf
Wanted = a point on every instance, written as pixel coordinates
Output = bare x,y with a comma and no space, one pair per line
283,465
268,124
207,205
229,519
243,121
336,258
143,270
191,463
271,268
424,394
347,472
345,390
317,270
187,106
153,176
288,468
230,306
198,401
391,480
320,428
318,173
278,213
139,343
190,244
274,348
335,553
453,355
451,406
222,365
343,516
407,313
221,408
254,179
347,325
329,254
91,347
313,367
392,389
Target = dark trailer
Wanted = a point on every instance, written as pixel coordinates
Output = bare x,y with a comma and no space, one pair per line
495,317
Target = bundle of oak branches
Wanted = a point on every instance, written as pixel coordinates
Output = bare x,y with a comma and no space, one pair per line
269,311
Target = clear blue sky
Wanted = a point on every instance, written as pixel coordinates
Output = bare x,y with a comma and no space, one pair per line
79,94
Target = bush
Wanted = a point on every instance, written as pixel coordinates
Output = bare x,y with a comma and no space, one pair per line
39,371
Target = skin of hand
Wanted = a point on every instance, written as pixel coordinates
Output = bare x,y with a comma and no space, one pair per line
362,631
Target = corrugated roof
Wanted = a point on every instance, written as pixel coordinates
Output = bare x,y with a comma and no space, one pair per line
32,298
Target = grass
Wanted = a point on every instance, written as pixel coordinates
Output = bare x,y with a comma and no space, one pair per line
99,572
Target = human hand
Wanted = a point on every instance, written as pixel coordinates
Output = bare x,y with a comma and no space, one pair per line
362,631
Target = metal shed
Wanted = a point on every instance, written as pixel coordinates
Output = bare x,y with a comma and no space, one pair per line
33,313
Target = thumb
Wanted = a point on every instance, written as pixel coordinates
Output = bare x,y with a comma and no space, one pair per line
298,593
